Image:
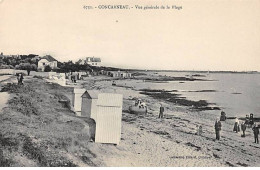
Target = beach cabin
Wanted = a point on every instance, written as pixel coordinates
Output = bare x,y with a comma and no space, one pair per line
119,74
89,104
109,117
77,100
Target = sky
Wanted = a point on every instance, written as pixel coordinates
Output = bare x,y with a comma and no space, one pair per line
203,35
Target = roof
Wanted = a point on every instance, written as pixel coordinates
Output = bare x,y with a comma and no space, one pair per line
93,59
110,100
93,94
49,58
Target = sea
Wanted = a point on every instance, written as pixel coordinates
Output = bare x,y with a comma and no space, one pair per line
238,94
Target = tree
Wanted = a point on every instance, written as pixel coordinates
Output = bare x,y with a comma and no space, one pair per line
26,66
34,67
31,67
47,68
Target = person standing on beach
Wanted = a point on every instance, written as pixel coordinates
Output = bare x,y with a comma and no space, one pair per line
161,111
217,129
256,133
199,130
236,126
243,128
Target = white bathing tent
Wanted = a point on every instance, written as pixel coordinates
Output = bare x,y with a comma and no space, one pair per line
109,117
77,100
89,104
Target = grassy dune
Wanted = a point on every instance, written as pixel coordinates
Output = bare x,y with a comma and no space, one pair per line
37,130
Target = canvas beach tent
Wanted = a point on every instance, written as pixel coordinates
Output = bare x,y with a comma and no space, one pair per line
109,117
77,100
89,104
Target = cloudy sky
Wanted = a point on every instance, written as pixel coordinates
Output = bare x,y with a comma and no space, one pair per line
204,35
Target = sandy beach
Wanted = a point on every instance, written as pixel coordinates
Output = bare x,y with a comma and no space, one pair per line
179,126
146,140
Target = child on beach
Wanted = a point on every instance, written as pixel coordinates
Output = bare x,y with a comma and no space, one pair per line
199,130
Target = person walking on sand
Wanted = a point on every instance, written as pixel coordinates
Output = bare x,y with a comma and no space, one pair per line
217,129
236,126
256,133
243,128
161,111
20,79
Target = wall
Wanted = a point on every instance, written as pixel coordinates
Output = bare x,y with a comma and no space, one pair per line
20,71
94,109
12,71
42,74
7,71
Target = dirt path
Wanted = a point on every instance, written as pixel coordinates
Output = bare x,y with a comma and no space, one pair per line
4,96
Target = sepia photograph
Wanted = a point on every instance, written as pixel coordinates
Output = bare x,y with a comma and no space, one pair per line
129,83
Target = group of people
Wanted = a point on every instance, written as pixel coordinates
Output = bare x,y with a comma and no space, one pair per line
218,126
236,129
73,77
141,105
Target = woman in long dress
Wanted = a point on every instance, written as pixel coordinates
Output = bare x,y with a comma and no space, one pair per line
236,126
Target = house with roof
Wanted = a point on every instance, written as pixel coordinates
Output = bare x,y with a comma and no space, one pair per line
47,61
93,61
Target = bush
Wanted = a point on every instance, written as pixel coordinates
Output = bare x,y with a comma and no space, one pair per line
47,68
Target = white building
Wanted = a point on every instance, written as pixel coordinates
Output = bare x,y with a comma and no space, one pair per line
47,61
93,61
